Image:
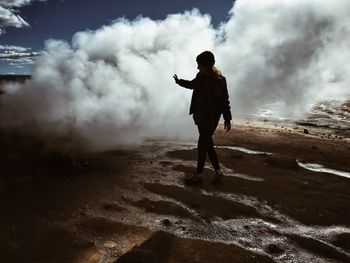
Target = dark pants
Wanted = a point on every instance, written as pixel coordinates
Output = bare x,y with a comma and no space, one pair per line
206,145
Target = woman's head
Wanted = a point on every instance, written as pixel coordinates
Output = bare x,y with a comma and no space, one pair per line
206,61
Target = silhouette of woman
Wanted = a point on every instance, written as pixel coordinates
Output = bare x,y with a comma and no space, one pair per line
209,100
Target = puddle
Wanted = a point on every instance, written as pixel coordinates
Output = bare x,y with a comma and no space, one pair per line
242,176
309,166
321,169
241,149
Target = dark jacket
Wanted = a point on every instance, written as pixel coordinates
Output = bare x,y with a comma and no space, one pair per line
210,98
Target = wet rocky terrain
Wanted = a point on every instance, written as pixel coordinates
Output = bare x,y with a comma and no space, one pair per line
284,198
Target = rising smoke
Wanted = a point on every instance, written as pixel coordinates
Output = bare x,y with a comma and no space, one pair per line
114,85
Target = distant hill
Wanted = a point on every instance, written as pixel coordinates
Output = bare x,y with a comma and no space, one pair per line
13,78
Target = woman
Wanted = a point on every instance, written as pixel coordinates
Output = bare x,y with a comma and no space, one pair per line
209,100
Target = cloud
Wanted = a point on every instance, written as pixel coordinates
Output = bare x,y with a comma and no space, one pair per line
10,48
114,85
17,56
16,3
8,16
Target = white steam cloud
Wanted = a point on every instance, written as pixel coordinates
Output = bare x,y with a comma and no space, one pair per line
114,85
288,53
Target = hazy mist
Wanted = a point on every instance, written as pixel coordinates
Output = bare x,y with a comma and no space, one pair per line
114,85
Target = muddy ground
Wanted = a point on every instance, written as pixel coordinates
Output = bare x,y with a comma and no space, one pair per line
131,205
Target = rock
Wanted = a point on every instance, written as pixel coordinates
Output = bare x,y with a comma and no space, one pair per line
282,161
274,249
314,147
82,213
110,244
166,222
306,131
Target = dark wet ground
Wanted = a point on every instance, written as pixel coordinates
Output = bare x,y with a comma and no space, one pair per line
132,205
239,212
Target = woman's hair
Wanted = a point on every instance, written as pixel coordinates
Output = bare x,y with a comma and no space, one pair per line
216,71
207,59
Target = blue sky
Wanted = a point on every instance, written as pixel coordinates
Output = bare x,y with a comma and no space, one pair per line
29,23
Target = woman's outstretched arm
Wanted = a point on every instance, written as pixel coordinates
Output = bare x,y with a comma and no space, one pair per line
188,84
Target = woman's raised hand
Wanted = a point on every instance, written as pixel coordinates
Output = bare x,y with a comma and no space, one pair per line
176,78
